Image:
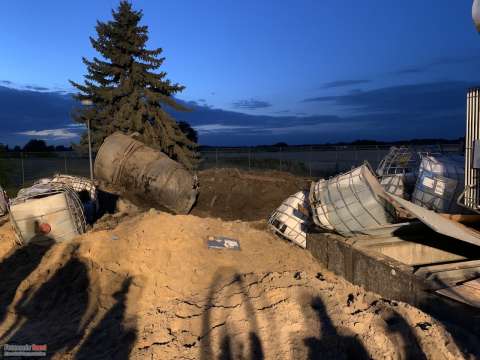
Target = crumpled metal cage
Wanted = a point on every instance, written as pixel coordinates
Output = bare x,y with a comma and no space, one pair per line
398,170
77,183
289,221
44,189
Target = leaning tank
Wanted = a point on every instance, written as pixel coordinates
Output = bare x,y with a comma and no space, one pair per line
145,176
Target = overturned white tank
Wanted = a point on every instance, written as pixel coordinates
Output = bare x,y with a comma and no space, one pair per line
290,220
47,211
440,182
3,203
145,176
351,203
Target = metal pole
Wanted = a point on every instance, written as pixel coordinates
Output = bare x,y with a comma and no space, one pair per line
216,158
90,150
65,161
249,165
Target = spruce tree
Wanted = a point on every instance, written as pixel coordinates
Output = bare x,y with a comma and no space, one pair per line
127,91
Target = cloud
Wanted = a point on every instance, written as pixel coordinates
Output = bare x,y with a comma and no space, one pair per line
251,104
50,134
388,113
76,126
218,128
427,98
343,83
36,88
417,69
6,82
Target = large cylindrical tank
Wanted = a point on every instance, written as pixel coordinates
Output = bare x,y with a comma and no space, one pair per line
145,176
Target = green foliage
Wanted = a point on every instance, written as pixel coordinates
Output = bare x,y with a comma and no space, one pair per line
189,132
35,145
127,92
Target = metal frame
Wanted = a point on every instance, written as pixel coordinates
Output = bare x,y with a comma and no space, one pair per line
300,220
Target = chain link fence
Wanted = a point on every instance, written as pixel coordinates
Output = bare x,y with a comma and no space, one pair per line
19,169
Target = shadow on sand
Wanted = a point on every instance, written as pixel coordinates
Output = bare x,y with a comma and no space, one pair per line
230,349
16,267
59,312
112,338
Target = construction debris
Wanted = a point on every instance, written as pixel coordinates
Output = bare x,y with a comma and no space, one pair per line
290,220
145,176
439,223
222,242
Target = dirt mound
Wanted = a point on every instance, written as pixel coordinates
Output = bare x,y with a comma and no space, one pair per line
230,194
150,288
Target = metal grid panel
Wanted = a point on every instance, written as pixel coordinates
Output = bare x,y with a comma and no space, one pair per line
353,203
319,209
440,182
289,222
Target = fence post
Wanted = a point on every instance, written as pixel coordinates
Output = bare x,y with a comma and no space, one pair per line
336,159
280,150
216,158
249,164
23,169
65,160
310,162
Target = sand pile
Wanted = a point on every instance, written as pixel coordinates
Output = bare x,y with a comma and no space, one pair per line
150,288
231,194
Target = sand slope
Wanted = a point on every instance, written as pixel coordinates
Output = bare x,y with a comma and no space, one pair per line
150,288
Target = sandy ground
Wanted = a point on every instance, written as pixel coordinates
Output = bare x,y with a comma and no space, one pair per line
231,194
150,288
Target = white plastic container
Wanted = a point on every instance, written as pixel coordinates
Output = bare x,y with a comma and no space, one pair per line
440,183
52,205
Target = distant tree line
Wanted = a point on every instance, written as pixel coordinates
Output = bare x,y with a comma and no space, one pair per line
355,143
35,145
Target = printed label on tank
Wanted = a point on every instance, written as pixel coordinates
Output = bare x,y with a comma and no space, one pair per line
428,182
440,188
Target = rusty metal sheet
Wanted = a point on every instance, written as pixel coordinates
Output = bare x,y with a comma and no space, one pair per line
467,293
438,222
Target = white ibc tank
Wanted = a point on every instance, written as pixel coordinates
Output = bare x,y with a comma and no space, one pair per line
351,202
440,183
289,222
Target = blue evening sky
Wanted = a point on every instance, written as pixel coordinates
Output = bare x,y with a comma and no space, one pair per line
270,58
